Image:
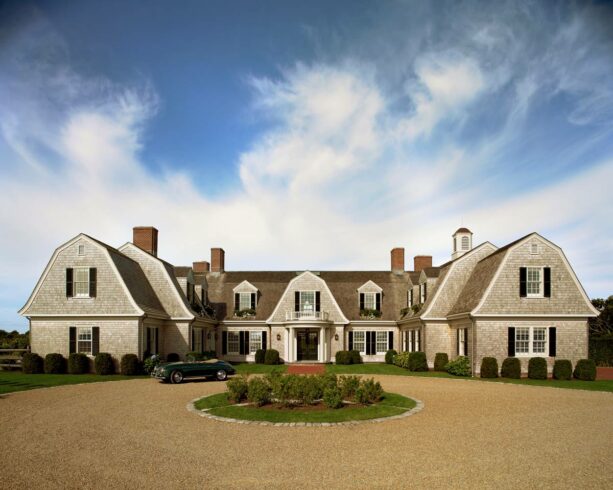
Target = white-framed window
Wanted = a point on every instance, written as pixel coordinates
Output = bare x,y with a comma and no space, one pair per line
465,243
534,282
410,298
382,342
84,340
412,340
244,301
530,341
370,301
198,347
233,343
422,293
151,341
462,342
534,248
359,341
307,301
81,282
255,341
81,250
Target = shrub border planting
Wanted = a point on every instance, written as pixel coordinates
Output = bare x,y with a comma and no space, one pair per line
191,407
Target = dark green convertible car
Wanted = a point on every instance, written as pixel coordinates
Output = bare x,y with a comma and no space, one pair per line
175,372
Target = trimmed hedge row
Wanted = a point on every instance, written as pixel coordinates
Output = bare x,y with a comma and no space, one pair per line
413,361
348,357
79,363
441,359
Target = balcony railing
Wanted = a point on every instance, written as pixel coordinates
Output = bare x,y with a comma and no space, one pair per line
306,315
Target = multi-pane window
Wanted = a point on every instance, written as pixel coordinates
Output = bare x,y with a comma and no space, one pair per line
370,301
84,340
81,282
382,342
533,281
151,341
197,347
255,341
307,301
422,293
464,243
81,250
244,302
530,340
410,298
359,341
412,341
233,343
534,249
462,342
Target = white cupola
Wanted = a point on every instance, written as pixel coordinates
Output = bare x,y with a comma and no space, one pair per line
462,242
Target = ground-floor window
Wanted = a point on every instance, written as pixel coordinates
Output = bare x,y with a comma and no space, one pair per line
197,340
359,342
255,341
243,342
382,342
530,340
84,340
462,340
151,341
371,342
412,340
233,343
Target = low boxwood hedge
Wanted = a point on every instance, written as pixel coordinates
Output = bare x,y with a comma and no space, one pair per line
32,363
418,361
562,369
260,356
271,357
585,370
78,363
55,364
489,367
441,359
103,364
356,358
130,365
511,368
389,356
537,368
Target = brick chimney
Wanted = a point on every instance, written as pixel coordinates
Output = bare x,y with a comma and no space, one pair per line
397,259
146,237
420,262
201,267
218,258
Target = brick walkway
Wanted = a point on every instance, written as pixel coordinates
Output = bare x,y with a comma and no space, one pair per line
306,369
604,373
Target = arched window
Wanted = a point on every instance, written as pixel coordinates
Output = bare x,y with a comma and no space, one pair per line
464,243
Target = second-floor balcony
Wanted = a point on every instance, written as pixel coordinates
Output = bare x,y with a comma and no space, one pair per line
306,316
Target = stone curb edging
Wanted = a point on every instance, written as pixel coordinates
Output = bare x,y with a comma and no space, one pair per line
204,413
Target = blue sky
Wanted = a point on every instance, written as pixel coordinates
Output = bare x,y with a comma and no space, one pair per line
304,135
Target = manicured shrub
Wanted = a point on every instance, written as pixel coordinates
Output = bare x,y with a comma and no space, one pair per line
356,358
55,364
32,363
562,369
489,367
285,389
402,360
238,388
333,398
348,386
369,391
78,363
173,357
328,380
417,361
585,370
309,390
459,367
103,364
343,357
272,357
537,368
511,368
260,356
440,361
151,362
258,391
130,365
389,356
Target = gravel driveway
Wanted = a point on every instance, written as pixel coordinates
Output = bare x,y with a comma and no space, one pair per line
470,434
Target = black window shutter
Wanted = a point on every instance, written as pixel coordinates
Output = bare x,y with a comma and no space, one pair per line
72,340
466,351
317,301
95,340
202,340
411,297
522,282
511,342
390,340
425,291
237,301
92,282
350,340
253,301
193,339
264,340
552,341
224,343
367,347
297,301
457,335
547,282
241,343
371,339
361,301
418,335
378,301
69,290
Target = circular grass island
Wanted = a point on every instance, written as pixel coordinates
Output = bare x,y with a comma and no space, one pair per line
290,400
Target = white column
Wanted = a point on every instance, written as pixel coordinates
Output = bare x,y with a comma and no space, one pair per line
322,345
288,355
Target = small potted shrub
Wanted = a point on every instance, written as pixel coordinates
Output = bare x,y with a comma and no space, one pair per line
511,368
130,365
389,356
55,364
103,364
260,356
441,359
271,356
78,363
537,368
418,362
32,363
489,367
585,370
562,369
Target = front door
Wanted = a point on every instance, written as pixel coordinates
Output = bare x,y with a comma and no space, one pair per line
308,342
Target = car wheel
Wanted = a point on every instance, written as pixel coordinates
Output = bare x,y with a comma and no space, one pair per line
221,375
176,377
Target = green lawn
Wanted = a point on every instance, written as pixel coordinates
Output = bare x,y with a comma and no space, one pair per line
15,381
389,369
247,368
391,404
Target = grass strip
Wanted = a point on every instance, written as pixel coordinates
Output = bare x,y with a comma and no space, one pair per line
17,381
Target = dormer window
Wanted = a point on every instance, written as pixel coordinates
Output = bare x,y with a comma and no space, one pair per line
370,295
423,292
410,297
244,301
